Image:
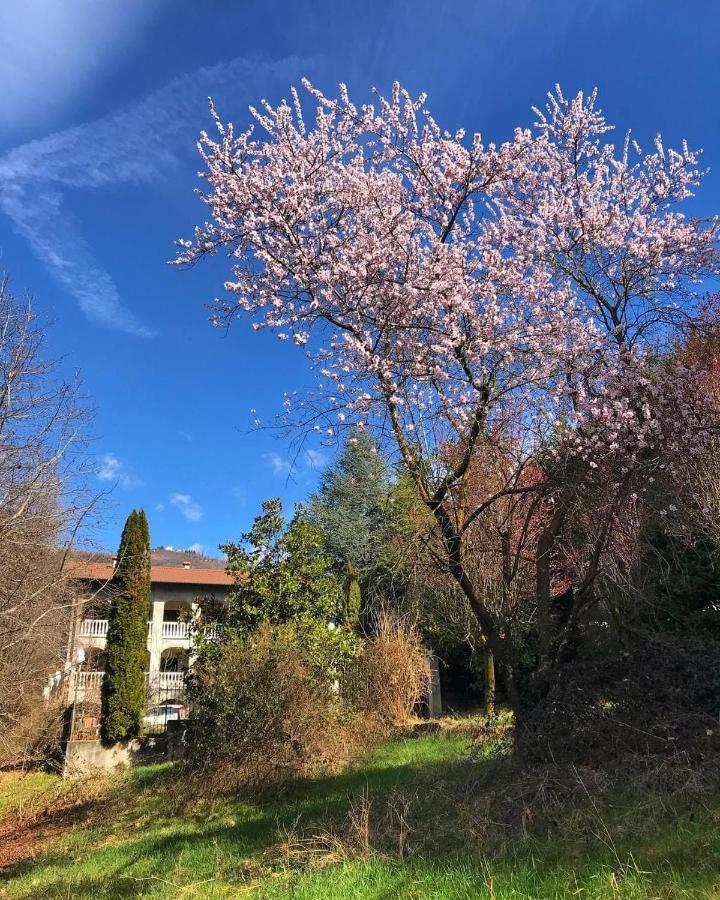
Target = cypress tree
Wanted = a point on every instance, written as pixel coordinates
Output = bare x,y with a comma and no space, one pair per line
123,688
353,597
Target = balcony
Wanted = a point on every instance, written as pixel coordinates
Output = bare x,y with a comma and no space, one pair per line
98,628
177,631
88,681
165,685
94,628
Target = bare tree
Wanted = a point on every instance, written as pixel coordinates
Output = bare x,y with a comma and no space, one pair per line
44,501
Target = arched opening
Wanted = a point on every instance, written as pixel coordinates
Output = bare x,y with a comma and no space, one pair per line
95,660
174,659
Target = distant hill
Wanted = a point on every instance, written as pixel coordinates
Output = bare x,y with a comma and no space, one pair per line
165,556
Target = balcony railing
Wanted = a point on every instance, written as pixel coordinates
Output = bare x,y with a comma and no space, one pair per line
88,681
98,628
176,630
165,686
158,682
94,628
168,679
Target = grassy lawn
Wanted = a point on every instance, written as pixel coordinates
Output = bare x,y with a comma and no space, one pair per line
430,816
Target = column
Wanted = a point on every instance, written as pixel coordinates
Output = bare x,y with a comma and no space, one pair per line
156,640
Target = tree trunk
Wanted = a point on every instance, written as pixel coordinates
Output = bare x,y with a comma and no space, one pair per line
489,683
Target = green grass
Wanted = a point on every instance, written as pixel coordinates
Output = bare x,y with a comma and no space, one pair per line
442,824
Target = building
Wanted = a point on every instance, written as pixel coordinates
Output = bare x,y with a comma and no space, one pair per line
180,583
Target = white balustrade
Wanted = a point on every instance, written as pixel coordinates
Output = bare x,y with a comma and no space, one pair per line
88,682
176,630
162,686
157,683
96,628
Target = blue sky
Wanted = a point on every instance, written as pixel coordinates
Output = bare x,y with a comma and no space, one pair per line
100,106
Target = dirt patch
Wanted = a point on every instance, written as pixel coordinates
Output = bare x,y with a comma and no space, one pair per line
28,829
20,842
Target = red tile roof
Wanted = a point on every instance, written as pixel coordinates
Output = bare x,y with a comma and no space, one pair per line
101,571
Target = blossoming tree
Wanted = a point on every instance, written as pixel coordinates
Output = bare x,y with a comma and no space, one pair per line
509,301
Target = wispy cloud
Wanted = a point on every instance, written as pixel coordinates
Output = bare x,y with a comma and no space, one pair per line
111,468
142,143
192,511
305,462
316,459
279,464
196,548
51,52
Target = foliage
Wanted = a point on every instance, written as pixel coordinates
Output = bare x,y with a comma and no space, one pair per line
282,574
352,596
391,674
491,307
261,710
123,687
653,694
682,582
351,506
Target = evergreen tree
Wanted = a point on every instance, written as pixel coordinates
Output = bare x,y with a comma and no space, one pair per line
284,576
282,573
123,688
351,507
353,598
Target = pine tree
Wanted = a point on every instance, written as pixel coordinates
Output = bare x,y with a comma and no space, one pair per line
123,688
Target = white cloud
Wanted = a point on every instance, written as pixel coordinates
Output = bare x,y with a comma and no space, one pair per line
196,548
305,462
55,240
111,468
188,507
142,143
52,52
279,464
316,459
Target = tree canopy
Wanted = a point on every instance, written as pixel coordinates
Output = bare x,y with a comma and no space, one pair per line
503,309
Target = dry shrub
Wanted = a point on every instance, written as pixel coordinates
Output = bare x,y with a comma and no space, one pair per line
334,845
33,736
262,713
391,674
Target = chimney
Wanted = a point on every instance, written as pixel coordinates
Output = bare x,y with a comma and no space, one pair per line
186,564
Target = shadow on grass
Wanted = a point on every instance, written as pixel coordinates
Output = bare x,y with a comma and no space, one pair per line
229,834
144,847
